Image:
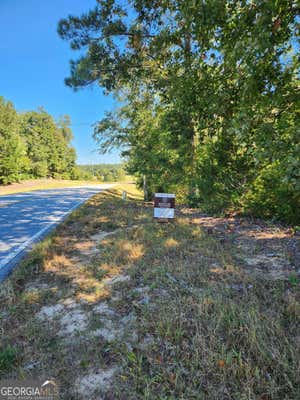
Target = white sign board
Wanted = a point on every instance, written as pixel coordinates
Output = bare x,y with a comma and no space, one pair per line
164,205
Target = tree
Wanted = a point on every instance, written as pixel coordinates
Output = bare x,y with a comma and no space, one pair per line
221,116
33,145
13,160
102,172
48,144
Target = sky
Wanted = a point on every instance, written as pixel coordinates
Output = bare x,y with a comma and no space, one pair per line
34,62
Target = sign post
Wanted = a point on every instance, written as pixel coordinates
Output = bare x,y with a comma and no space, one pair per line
164,206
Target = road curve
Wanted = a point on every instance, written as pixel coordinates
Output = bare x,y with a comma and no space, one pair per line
25,218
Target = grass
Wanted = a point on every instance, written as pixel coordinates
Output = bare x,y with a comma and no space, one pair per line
42,184
8,357
203,327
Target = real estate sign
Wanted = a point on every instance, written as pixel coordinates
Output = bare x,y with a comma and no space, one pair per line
164,205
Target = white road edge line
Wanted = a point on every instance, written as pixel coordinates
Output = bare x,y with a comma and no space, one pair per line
30,241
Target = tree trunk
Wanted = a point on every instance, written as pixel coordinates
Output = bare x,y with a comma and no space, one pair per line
145,189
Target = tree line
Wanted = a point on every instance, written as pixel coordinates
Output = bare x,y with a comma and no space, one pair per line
34,145
209,94
102,172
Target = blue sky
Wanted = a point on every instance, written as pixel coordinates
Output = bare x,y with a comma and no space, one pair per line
34,62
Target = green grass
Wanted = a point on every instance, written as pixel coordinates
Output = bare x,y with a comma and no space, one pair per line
8,358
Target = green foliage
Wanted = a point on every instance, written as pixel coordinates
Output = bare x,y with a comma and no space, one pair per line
33,145
210,94
13,160
272,194
102,172
39,169
48,144
8,358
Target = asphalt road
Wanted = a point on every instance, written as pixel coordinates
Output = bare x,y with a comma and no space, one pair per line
25,218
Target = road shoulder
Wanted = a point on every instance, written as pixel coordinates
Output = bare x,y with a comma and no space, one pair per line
117,305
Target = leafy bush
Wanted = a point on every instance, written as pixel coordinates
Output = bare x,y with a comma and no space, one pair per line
274,195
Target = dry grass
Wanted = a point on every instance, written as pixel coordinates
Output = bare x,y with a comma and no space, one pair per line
42,184
182,317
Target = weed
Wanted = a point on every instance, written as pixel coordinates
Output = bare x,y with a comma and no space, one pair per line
8,358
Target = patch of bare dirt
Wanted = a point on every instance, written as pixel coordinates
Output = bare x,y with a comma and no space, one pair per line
261,248
99,381
70,316
116,279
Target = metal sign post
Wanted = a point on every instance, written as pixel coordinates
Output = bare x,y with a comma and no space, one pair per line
164,206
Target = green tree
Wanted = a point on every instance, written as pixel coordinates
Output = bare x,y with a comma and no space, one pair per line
102,172
13,160
210,92
48,144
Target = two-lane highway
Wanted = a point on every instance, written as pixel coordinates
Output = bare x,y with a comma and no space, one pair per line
25,218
